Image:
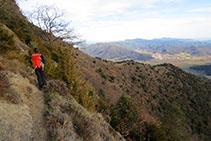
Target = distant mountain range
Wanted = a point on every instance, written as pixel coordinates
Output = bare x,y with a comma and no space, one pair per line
169,46
127,48
114,51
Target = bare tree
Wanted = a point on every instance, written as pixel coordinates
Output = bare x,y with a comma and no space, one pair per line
51,19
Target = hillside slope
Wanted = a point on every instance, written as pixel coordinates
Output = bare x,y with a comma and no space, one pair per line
32,118
140,101
23,106
157,88
23,109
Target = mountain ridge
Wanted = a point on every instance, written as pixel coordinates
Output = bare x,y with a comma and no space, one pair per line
162,45
107,51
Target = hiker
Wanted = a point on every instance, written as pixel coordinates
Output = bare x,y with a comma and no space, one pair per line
38,62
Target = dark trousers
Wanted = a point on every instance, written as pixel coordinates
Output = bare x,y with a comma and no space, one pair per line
40,77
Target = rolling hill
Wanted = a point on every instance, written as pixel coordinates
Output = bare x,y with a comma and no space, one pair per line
183,53
170,46
115,52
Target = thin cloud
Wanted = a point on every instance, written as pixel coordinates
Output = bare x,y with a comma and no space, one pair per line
201,10
82,10
193,27
109,20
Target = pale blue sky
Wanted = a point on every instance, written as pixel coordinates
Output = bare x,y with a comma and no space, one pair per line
110,20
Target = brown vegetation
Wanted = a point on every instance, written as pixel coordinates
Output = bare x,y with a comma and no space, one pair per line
67,120
2,84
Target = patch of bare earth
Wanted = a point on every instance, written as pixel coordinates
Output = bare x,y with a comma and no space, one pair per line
26,102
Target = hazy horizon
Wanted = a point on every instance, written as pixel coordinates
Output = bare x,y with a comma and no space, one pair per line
93,42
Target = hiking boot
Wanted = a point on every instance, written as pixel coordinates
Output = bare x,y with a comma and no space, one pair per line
45,88
40,88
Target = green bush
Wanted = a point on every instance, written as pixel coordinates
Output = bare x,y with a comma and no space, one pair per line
125,117
156,133
101,73
111,79
6,40
175,121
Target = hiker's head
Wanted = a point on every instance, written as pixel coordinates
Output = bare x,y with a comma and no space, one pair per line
36,50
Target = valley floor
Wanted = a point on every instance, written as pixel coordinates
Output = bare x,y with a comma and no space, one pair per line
184,64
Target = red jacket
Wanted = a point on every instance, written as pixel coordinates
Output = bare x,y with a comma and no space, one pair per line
36,60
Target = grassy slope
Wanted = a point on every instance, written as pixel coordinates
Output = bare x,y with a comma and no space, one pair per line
23,108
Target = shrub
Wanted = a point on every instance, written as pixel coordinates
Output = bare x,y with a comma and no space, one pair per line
59,122
102,106
1,68
58,86
101,93
12,96
111,79
156,133
98,58
174,121
133,78
2,84
6,40
101,73
125,117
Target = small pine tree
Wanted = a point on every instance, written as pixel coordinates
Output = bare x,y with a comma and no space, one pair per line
80,90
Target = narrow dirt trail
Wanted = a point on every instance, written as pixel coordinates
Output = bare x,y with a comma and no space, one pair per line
37,109
31,98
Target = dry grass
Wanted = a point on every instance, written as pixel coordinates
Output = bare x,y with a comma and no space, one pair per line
69,120
59,123
6,92
16,122
20,91
2,84
18,68
57,86
8,71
